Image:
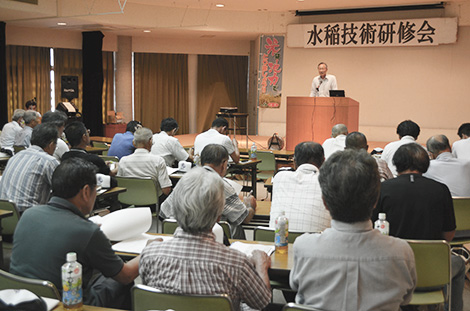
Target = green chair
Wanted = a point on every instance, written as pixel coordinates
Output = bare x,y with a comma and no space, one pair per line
169,226
141,191
9,223
266,234
109,158
39,287
17,149
462,220
147,298
433,267
295,307
226,227
98,144
267,167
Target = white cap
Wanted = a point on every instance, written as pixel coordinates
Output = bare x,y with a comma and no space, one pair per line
382,216
71,257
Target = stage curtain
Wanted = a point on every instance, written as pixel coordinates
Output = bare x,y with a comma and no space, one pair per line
161,89
68,62
108,84
221,82
28,76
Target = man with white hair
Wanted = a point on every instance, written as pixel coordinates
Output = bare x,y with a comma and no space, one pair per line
193,262
323,83
142,163
337,142
23,137
9,131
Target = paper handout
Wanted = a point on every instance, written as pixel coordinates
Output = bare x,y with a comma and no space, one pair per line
248,248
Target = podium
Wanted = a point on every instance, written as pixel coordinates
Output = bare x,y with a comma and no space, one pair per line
311,118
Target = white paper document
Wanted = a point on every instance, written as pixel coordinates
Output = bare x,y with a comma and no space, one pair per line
248,248
137,244
238,188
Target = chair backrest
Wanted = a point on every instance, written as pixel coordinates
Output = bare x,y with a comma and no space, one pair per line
18,148
295,307
268,161
99,144
226,227
169,226
109,158
39,287
9,223
432,262
462,213
147,298
140,191
266,234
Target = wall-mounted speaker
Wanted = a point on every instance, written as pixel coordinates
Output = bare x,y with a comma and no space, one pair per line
69,87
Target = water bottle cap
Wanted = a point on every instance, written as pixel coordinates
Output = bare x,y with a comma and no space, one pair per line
382,216
71,257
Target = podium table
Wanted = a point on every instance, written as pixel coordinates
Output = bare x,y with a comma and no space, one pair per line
311,118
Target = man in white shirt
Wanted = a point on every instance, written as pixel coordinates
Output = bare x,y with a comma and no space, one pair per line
9,131
461,148
298,193
167,146
322,84
23,137
58,118
445,168
408,132
217,135
337,142
144,164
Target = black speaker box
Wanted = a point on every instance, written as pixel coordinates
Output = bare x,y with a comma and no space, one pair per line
69,87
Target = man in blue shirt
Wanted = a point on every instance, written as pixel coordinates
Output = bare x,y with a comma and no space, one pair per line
122,142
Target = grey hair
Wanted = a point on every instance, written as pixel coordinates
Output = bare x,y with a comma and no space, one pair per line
142,135
17,114
30,116
199,200
339,129
350,185
437,144
323,63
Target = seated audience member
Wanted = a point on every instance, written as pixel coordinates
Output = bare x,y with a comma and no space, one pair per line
167,146
57,118
444,168
337,140
461,148
23,137
122,142
60,227
193,262
79,138
214,158
351,265
27,178
217,135
32,105
9,131
142,163
358,141
298,193
420,208
408,132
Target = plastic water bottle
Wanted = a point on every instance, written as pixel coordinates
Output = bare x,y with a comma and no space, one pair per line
281,234
197,160
253,156
72,295
382,225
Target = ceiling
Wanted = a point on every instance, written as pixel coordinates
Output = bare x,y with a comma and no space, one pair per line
239,19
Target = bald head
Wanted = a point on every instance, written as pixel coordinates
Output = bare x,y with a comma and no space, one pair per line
438,144
356,141
339,129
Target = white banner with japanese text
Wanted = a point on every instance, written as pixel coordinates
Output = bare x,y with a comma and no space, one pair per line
400,32
270,71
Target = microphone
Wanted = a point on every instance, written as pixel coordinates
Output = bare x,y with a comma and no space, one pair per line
318,87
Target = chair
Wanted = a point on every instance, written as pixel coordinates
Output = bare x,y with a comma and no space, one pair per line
462,220
147,298
9,223
18,148
39,287
266,234
98,144
433,267
267,167
109,158
295,307
226,227
141,191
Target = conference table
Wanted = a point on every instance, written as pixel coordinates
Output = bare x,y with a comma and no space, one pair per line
60,307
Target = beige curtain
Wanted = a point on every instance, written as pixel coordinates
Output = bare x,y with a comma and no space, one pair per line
161,89
221,82
68,62
108,84
28,76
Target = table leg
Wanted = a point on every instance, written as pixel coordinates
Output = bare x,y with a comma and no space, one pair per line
253,179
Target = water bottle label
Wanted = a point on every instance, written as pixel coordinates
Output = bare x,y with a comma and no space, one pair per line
280,240
72,286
